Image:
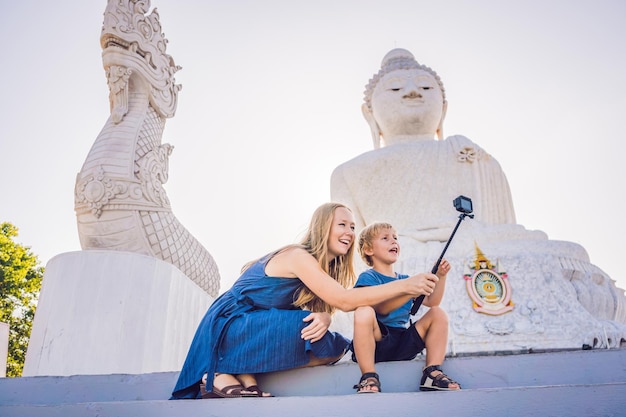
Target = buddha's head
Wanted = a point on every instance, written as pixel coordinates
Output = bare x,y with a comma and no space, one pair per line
404,100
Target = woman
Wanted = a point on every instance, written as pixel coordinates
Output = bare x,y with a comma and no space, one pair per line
276,315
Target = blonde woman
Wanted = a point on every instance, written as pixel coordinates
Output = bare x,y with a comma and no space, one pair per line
276,315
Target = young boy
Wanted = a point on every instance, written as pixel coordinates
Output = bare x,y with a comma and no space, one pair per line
383,332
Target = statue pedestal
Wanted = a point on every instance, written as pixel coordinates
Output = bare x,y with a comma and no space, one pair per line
107,312
558,299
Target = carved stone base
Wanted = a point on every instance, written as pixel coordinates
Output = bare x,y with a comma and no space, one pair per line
558,300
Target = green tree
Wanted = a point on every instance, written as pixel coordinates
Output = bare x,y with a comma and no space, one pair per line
20,283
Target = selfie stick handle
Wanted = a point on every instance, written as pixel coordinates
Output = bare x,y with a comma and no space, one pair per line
418,301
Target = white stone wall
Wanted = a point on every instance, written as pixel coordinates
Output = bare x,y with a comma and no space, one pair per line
106,312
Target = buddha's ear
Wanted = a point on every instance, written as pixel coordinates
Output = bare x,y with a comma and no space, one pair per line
443,117
374,129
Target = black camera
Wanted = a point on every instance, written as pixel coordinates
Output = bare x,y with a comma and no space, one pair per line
463,204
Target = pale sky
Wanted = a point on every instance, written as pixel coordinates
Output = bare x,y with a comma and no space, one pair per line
271,102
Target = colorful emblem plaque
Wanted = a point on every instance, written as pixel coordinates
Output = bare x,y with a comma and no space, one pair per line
488,286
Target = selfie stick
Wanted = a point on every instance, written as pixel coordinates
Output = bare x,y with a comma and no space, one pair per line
418,301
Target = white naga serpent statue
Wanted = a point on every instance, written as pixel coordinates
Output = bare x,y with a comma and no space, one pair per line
120,201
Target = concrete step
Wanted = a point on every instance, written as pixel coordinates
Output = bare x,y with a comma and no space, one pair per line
552,383
565,400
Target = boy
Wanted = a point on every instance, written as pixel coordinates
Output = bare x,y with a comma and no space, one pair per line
380,331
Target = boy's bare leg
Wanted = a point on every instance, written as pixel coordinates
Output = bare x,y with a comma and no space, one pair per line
433,327
366,333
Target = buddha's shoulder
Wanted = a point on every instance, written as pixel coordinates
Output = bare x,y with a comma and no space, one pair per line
402,150
458,140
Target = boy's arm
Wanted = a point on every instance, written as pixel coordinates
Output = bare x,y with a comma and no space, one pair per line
435,298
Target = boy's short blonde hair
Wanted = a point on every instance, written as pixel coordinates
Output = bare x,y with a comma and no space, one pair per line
367,236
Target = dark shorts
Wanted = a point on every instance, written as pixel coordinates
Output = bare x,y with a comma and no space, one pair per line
397,344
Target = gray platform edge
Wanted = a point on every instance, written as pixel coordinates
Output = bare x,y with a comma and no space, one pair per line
553,383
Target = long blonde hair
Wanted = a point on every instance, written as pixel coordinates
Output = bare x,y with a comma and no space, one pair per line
315,242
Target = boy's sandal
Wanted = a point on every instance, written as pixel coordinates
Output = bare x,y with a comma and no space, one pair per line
368,380
440,382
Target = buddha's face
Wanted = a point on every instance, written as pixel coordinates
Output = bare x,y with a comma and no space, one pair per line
407,102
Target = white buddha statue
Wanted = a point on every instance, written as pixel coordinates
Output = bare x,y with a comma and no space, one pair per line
412,176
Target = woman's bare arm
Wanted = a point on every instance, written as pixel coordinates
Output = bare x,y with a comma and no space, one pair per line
299,263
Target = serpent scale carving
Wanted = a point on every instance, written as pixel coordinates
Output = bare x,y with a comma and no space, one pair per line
120,201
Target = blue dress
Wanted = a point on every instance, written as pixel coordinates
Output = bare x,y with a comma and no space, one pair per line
252,328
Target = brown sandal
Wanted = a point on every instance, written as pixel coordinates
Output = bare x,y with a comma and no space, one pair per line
440,382
230,391
368,380
258,391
